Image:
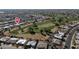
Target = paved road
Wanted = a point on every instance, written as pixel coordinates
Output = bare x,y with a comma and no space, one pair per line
70,35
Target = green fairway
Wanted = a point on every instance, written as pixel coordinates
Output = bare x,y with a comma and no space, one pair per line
45,25
41,25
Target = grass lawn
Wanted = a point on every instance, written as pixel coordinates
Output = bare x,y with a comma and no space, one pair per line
45,24
26,34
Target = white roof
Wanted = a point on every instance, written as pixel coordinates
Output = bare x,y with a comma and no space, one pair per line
4,38
11,25
13,38
7,27
66,27
21,41
57,41
17,24
31,43
58,36
61,33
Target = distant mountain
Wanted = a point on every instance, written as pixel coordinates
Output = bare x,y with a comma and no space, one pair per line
2,12
39,10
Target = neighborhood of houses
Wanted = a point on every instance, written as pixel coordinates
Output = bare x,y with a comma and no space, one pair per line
56,40
67,36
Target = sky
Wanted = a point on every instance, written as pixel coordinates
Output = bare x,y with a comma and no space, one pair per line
39,4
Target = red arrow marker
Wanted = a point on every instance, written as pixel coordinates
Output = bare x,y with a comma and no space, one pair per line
17,20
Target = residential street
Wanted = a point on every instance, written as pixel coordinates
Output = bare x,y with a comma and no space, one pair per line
70,35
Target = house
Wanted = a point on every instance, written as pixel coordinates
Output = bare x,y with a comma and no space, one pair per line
59,35
77,46
56,41
64,27
71,25
5,46
12,40
77,36
42,45
20,47
6,27
21,41
77,42
31,44
4,39
11,25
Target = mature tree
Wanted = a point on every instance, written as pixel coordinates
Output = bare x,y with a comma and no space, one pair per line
34,24
42,32
47,30
60,20
31,30
57,24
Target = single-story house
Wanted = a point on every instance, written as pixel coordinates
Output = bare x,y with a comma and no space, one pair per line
56,41
59,35
42,45
21,41
31,43
12,40
6,27
4,39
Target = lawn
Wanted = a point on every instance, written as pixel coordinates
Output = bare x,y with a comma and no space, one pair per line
45,24
26,34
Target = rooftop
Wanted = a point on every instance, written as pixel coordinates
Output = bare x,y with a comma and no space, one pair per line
4,39
21,41
59,35
42,45
12,40
32,43
56,41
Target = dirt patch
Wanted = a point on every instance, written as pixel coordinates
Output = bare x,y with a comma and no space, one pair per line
36,36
